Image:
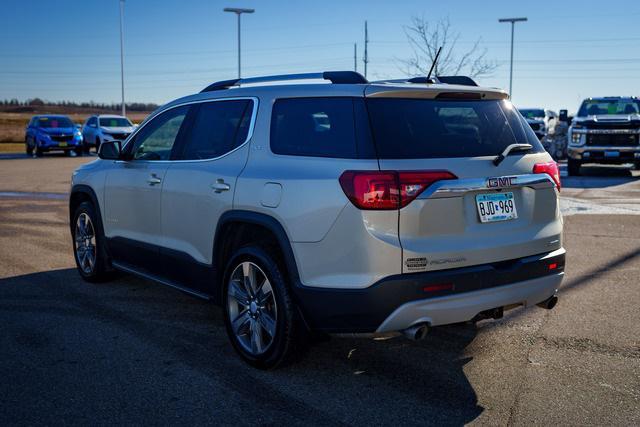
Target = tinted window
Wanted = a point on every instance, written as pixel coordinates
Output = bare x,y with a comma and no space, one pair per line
54,122
320,127
593,107
115,122
217,128
425,128
532,113
156,139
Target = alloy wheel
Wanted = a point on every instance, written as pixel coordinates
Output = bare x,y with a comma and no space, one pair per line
85,243
252,308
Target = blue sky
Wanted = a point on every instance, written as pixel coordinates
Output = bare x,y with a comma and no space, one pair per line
69,49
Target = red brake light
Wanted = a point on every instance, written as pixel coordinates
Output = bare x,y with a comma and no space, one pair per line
387,190
551,169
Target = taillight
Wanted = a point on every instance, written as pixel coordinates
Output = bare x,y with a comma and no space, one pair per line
387,190
551,169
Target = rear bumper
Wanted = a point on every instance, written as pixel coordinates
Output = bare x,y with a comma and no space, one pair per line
464,307
400,301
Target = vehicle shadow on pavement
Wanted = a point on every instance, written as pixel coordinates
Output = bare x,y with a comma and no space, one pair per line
599,176
60,331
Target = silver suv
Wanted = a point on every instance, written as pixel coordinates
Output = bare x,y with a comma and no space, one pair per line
340,206
105,127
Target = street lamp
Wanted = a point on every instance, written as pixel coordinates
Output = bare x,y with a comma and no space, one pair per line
513,23
238,11
122,54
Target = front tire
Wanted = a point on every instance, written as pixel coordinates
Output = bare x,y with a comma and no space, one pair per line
28,147
261,319
89,247
573,167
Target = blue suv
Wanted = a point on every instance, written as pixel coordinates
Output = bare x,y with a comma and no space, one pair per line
52,133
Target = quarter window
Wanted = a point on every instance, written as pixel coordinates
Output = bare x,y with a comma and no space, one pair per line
217,128
156,140
318,127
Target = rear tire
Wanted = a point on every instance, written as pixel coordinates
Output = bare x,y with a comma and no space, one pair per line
38,151
262,321
89,246
574,167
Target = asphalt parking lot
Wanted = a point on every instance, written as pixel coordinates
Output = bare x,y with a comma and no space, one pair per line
134,352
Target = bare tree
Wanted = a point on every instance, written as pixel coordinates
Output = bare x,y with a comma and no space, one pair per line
425,39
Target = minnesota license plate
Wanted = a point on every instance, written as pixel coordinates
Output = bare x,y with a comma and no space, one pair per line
62,144
496,207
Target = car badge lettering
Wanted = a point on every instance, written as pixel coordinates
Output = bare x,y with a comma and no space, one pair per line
501,181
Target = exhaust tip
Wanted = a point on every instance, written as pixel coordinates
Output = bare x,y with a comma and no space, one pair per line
548,303
417,332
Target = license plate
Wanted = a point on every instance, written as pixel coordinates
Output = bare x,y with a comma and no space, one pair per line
611,154
62,144
496,207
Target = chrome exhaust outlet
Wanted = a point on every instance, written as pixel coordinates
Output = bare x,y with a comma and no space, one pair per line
548,303
417,332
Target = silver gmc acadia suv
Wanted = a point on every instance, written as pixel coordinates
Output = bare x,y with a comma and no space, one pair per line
333,205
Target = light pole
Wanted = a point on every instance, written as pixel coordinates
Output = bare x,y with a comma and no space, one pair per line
238,11
513,23
122,55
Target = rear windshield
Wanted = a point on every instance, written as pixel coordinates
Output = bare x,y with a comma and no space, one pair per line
54,122
114,122
425,128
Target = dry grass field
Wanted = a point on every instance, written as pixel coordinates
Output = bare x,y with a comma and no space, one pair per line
14,120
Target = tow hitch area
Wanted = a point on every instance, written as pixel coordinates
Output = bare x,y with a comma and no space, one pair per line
494,313
548,303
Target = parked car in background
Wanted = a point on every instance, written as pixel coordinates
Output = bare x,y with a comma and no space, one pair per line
46,133
543,122
103,127
274,201
606,131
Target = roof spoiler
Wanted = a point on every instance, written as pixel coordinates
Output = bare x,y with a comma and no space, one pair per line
450,80
335,77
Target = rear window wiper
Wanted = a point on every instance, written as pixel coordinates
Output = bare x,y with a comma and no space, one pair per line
513,147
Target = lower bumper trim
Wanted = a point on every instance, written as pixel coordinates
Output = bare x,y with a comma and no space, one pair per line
464,307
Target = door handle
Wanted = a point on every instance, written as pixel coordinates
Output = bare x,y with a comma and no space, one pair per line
219,186
153,179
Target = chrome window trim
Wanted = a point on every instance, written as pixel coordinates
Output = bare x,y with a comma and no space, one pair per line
252,123
457,187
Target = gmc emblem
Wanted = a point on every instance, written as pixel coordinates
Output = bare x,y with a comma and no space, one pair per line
501,181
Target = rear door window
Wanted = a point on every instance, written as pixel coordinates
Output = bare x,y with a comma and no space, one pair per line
217,128
320,127
426,128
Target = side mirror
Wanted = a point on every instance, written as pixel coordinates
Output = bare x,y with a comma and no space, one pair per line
110,150
92,125
564,116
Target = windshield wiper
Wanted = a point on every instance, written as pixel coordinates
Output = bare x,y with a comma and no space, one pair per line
513,147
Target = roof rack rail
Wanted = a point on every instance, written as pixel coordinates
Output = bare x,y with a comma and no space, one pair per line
335,77
451,80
